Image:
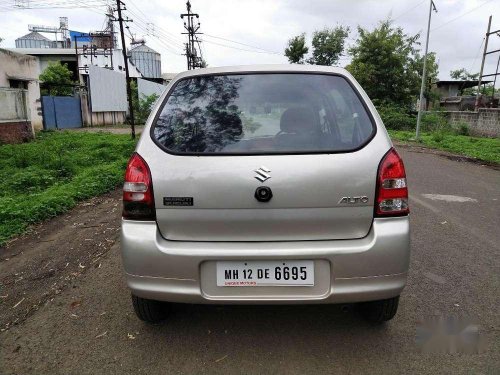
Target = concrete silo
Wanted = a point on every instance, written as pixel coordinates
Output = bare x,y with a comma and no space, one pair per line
146,60
34,40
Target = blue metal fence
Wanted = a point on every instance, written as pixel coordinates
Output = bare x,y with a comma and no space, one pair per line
61,112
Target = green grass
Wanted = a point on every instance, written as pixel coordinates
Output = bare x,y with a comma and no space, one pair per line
49,175
486,149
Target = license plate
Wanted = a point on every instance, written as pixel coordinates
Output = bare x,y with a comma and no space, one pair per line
265,273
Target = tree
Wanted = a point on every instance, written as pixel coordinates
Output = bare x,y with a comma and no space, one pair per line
328,45
1,40
431,76
57,80
387,64
296,49
463,74
142,105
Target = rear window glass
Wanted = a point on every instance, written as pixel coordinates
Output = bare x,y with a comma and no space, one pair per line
262,113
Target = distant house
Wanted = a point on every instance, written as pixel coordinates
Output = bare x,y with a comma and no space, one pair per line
450,93
455,87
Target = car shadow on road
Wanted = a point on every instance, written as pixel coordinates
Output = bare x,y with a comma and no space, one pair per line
267,333
284,321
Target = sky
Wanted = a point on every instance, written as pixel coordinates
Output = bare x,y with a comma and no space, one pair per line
241,32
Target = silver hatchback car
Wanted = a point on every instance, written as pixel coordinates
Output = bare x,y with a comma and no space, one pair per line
265,184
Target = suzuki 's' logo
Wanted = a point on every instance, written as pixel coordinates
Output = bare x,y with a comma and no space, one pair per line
262,174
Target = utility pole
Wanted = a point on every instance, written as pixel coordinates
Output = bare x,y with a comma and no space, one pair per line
424,72
478,96
495,80
120,20
193,61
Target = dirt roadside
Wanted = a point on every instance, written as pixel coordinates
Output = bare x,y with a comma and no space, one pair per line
39,265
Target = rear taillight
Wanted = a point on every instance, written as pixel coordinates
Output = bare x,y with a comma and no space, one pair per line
392,191
138,199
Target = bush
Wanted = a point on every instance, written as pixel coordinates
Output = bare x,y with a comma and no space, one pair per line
143,105
435,121
396,118
462,129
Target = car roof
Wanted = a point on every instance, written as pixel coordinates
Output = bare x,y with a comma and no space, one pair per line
264,68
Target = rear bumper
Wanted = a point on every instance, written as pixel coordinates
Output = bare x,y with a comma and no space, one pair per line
371,268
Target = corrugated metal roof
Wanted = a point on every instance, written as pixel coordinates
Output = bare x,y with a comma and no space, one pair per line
34,36
143,48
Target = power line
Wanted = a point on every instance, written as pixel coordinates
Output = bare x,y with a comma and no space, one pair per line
92,4
243,44
240,49
462,15
146,21
409,10
163,44
167,45
477,55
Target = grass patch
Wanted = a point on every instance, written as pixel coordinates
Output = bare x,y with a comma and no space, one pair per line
487,149
49,175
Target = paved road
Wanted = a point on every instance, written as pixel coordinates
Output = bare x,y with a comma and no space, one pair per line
84,323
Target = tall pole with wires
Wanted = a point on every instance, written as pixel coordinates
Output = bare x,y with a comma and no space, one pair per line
424,72
192,27
120,20
478,96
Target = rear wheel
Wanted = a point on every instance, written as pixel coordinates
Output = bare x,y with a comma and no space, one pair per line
149,310
380,311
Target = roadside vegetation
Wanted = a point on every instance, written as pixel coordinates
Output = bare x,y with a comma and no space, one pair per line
49,175
436,132
484,149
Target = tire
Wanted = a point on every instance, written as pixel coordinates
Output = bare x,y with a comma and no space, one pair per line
149,310
380,311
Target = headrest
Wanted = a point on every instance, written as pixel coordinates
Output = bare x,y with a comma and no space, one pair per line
298,120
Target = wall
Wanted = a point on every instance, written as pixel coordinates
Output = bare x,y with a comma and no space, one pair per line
13,105
449,90
108,91
23,67
15,125
145,87
108,118
108,97
486,122
15,131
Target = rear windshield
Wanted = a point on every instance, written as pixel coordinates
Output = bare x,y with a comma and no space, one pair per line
262,113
